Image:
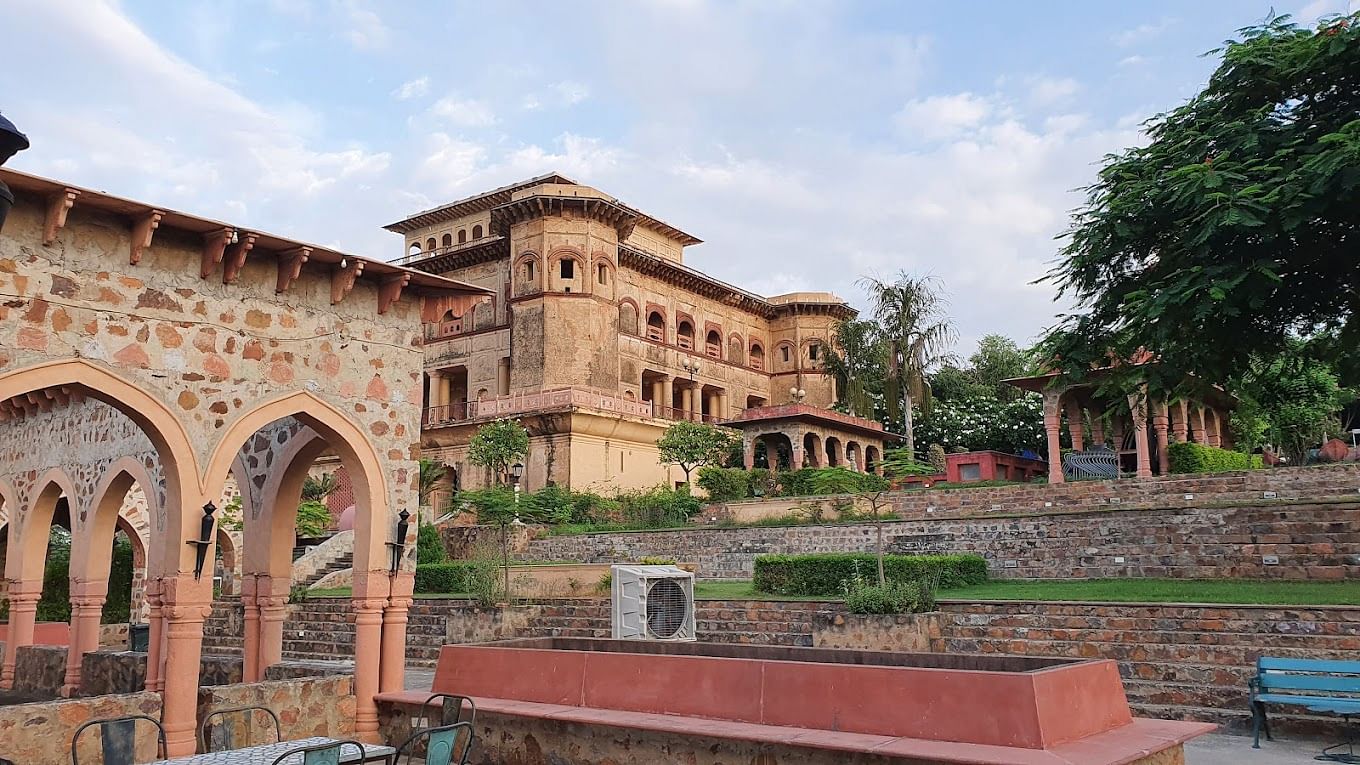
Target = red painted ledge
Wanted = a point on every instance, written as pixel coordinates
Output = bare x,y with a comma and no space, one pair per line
1122,745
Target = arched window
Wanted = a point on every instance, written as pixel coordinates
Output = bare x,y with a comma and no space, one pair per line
628,317
602,273
814,350
529,271
447,240
430,245
757,356
477,231
462,236
414,249
713,344
735,350
656,327
684,335
784,353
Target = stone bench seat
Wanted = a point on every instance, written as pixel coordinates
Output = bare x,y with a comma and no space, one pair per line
1131,743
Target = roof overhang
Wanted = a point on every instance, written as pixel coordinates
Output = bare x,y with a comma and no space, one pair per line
811,415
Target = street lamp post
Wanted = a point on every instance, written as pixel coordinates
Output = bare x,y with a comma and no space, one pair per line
516,473
692,367
797,394
11,142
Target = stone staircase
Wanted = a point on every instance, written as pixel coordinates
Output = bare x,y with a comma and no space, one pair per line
312,563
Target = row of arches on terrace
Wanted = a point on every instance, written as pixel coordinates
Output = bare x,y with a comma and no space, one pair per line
734,349
788,451
270,448
445,240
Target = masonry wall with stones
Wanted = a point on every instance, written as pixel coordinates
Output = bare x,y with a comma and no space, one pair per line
1320,540
41,732
307,706
209,349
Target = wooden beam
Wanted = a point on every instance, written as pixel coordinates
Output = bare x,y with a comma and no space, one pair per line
343,277
142,230
57,206
389,291
235,257
214,245
290,267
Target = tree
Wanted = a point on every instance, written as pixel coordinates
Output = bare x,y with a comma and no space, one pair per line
915,335
1290,402
871,488
695,444
1234,228
316,488
431,473
856,361
999,358
498,445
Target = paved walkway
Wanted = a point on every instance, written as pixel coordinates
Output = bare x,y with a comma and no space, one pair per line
1221,749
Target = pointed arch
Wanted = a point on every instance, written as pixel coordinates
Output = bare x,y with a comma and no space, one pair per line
92,541
26,553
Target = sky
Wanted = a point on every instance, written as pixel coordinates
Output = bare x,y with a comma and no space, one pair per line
808,143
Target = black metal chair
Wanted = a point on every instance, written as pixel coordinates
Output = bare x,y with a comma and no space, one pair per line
225,741
118,739
443,745
321,754
451,708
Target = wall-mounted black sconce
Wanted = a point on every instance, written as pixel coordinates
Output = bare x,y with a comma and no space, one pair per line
204,540
11,142
399,546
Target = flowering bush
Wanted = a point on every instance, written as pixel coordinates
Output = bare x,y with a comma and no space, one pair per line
980,423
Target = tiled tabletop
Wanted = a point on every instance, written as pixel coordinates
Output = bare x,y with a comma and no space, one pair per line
265,754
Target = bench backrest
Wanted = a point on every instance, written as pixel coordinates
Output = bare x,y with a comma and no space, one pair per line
1321,676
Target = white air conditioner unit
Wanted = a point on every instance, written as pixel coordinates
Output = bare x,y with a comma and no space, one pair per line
652,603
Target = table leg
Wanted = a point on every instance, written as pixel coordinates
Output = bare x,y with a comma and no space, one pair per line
1331,753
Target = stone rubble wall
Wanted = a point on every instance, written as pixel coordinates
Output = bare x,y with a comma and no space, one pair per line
1309,541
40,733
307,706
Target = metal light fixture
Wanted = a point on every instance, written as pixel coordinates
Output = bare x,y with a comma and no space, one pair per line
399,546
516,473
204,540
798,394
690,366
11,142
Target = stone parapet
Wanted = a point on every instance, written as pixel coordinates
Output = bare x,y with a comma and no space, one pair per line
41,732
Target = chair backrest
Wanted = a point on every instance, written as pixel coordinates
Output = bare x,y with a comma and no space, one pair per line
442,745
451,708
1319,675
118,739
319,754
224,735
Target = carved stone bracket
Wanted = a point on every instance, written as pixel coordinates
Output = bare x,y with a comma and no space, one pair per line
142,230
214,246
57,207
290,267
343,277
390,291
235,258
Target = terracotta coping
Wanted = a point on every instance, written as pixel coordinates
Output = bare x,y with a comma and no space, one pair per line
1121,745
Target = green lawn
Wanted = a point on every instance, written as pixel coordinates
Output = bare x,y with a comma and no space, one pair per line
1167,591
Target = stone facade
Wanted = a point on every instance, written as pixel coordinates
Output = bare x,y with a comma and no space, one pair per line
1305,541
31,734
308,706
594,332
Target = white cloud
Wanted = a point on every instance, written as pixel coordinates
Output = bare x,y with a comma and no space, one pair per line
1319,8
942,116
360,26
571,92
463,112
412,89
1132,61
1142,33
1047,91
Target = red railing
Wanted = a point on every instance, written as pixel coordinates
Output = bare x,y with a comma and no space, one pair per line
524,403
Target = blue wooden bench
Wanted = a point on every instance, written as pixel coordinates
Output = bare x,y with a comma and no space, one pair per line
1318,685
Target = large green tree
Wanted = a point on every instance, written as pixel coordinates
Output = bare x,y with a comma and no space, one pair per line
856,359
695,444
916,335
1237,226
498,445
1290,402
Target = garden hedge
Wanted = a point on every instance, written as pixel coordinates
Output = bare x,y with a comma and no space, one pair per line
443,577
1190,457
824,574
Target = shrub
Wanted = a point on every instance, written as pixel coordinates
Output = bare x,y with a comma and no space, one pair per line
659,507
443,577
725,484
892,598
1190,457
826,573
813,482
556,504
429,545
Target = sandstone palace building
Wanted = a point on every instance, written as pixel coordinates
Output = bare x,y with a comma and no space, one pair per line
599,336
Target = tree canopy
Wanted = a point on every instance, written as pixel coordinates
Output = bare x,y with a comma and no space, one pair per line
498,445
1234,229
695,444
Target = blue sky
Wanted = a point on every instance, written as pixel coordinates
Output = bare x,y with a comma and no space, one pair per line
806,142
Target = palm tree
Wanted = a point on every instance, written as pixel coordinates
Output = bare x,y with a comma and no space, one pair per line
916,336
432,472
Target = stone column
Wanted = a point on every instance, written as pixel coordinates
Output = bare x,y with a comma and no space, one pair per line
1075,425
1161,426
87,605
273,611
1097,427
1213,427
696,402
435,387
154,634
392,671
250,618
748,452
1197,425
796,456
723,412
503,377
1179,424
23,613
658,399
184,645
1053,432
446,394
368,628
1138,413
685,406
668,397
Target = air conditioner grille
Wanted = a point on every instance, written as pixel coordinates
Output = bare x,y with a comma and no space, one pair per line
667,608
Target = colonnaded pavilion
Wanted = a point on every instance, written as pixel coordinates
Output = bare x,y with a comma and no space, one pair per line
144,347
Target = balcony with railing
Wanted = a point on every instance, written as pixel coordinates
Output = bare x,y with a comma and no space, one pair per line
519,404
